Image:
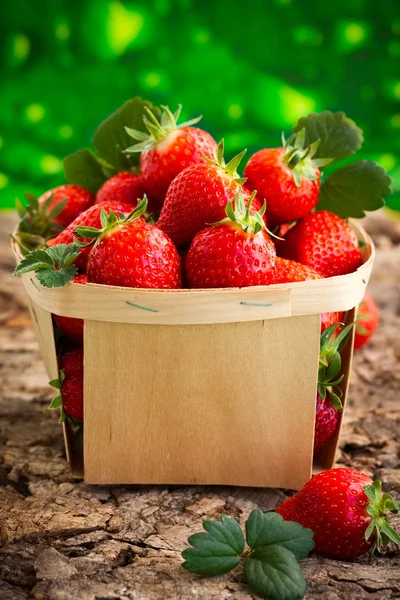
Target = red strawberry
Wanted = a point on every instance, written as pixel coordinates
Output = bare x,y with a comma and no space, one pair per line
326,422
90,218
198,197
168,149
236,252
346,511
325,242
72,383
288,178
71,327
131,253
124,187
78,199
289,271
369,320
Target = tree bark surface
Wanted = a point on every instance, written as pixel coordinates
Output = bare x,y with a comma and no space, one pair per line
61,539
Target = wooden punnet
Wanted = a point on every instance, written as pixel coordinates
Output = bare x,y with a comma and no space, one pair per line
201,386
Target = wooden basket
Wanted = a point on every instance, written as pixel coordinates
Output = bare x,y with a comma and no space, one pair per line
200,386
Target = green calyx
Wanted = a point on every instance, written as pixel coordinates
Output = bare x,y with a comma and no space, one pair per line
301,160
231,167
57,400
238,213
108,222
36,222
378,507
157,129
330,362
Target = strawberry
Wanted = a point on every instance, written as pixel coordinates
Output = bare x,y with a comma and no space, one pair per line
70,385
289,271
123,187
129,252
168,149
198,197
236,252
89,218
288,178
71,327
346,511
329,394
324,242
368,321
78,199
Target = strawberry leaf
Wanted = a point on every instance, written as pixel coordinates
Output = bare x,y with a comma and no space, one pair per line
354,189
339,136
53,278
264,529
217,551
111,138
84,168
274,573
53,266
56,402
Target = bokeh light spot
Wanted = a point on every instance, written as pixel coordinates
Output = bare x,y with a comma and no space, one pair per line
396,90
201,36
63,32
3,181
235,111
50,165
387,161
294,104
352,35
152,80
395,121
21,47
66,132
307,35
34,112
123,26
355,33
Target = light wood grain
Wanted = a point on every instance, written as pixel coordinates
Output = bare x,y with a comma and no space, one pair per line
225,404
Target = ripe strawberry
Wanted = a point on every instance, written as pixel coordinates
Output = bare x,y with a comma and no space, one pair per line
89,218
70,385
325,242
289,271
168,149
326,422
123,187
71,327
346,511
198,197
236,252
288,178
129,252
78,199
369,320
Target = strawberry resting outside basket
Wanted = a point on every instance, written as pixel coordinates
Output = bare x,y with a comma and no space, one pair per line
200,386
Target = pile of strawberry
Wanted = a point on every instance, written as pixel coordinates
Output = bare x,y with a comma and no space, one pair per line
170,212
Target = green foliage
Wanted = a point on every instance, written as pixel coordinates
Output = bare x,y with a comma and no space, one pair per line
270,562
53,266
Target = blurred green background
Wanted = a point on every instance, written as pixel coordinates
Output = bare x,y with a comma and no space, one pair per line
251,68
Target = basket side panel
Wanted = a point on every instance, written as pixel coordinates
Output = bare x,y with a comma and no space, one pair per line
43,325
230,404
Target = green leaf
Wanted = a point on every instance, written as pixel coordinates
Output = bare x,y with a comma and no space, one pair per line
55,383
59,207
273,572
217,551
111,138
354,189
84,168
56,402
53,266
52,278
388,530
63,415
36,259
333,367
263,529
63,254
339,136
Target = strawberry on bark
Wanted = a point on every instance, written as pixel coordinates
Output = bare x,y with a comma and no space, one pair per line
129,252
347,512
199,196
236,252
168,149
324,242
288,178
